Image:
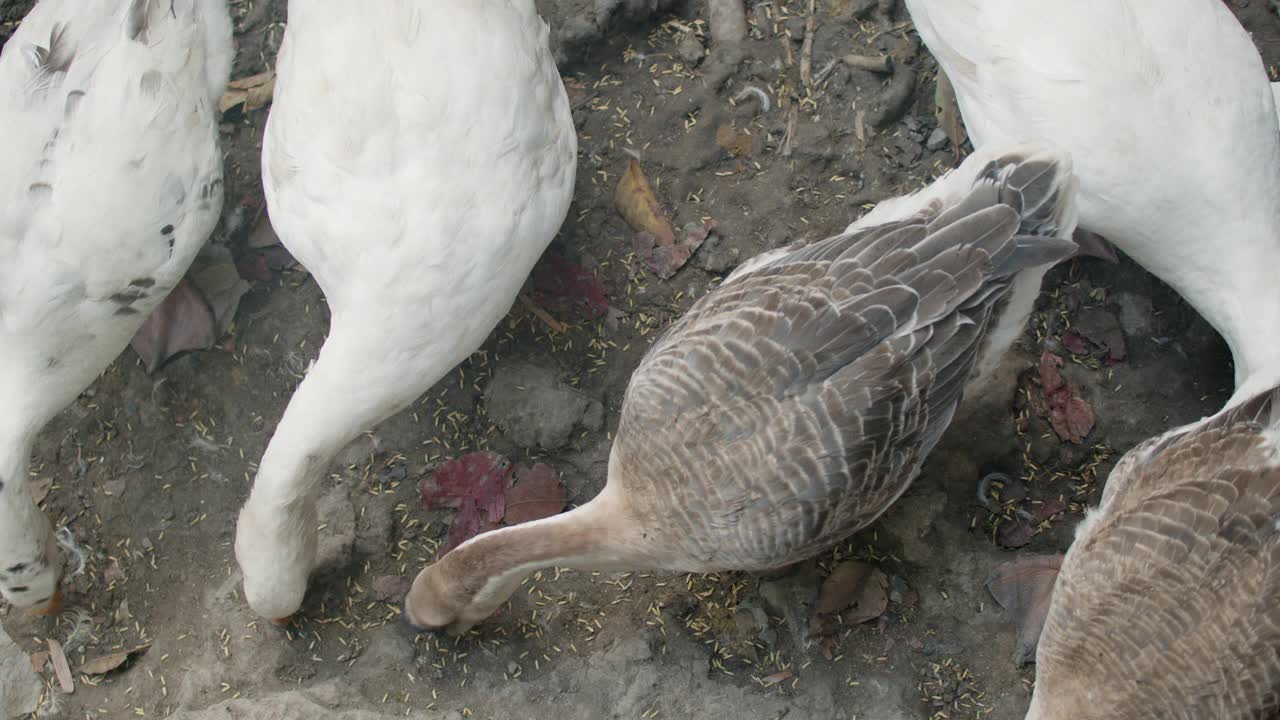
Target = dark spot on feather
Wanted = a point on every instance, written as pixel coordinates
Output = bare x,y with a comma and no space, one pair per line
126,311
19,588
135,25
40,602
40,192
17,568
73,102
128,297
150,82
51,362
166,230
143,282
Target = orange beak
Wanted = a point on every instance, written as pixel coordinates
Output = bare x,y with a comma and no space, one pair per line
281,622
53,607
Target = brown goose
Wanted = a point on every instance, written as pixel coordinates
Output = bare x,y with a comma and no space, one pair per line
792,405
1167,605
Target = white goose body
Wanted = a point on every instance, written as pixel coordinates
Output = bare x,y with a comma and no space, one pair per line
110,183
1166,110
418,159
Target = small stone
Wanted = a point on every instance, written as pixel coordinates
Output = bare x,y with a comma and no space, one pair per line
937,140
20,687
534,408
716,255
691,50
338,538
1136,314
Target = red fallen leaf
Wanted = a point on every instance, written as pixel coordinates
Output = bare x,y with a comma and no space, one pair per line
1077,417
1068,412
1075,343
1050,376
536,494
558,282
475,485
665,260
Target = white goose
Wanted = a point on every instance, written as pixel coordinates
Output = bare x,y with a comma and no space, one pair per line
111,181
1167,112
418,159
1167,605
793,404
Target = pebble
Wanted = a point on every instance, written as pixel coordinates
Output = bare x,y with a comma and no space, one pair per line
937,140
535,409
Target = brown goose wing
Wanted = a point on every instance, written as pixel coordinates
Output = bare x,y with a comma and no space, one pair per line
791,406
1168,605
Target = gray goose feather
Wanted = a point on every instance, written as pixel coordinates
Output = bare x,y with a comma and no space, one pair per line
791,406
1167,604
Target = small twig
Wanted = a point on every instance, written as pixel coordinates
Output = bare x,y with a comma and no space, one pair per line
555,325
793,117
882,64
789,58
890,29
806,50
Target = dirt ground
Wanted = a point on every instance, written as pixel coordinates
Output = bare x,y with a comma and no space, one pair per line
148,470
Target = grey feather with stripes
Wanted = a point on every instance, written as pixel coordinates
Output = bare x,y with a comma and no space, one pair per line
793,405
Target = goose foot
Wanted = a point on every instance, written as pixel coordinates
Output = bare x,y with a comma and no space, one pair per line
1093,245
1024,587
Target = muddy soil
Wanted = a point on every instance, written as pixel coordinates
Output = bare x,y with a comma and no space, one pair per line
147,471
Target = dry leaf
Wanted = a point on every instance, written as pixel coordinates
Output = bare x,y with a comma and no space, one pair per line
853,593
1068,412
537,493
947,110
61,667
475,484
182,322
637,205
40,489
664,261
39,660
106,663
252,92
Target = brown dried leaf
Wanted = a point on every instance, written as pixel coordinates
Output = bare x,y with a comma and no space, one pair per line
252,92
61,667
40,489
39,660
537,493
106,663
856,591
637,205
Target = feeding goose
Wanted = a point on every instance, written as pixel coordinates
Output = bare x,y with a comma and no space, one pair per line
110,183
1170,120
418,160
793,404
1167,604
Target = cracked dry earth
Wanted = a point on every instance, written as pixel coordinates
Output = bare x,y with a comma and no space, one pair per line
148,470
